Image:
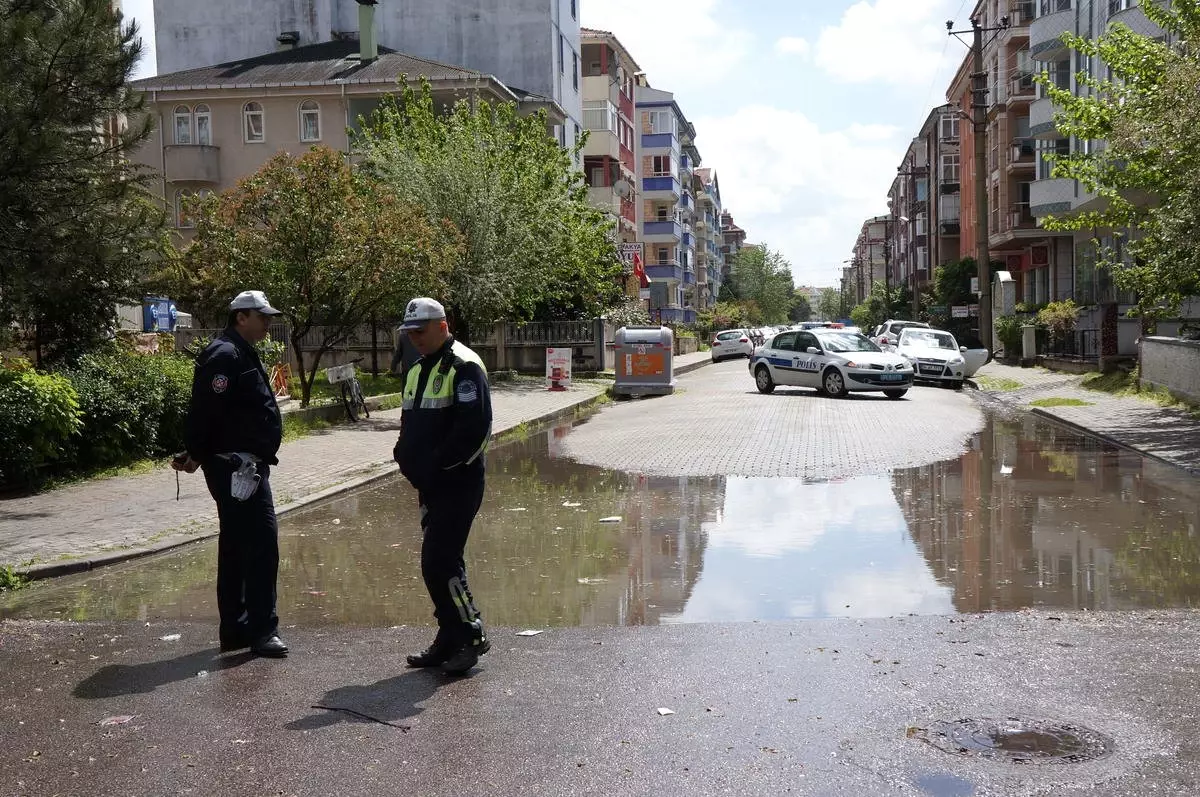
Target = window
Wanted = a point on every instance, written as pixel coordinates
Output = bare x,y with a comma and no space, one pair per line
310,121
183,124
1117,6
574,10
662,122
663,213
785,342
949,127
1052,6
664,255
661,166
950,168
183,219
252,123
203,125
575,69
806,339
562,48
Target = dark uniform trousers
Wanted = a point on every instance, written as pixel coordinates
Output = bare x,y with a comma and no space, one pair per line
448,507
247,553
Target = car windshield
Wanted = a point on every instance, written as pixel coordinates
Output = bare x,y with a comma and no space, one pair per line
729,335
925,337
839,342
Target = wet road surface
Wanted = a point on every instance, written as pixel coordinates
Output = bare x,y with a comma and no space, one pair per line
1032,515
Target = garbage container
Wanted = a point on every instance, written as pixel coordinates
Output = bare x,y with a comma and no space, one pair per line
644,364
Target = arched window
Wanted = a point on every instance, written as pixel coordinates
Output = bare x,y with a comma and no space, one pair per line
252,123
203,118
183,124
310,121
183,220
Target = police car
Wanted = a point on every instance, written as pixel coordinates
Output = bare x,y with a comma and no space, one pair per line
832,361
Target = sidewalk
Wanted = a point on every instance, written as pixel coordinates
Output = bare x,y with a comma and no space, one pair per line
109,520
1160,432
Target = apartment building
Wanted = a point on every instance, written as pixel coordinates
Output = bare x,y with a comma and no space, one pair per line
734,240
530,45
709,236
610,155
943,157
908,198
668,156
218,124
868,262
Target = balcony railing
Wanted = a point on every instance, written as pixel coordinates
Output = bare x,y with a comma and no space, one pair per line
1021,13
1019,217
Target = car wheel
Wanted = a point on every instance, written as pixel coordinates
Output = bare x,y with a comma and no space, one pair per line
834,384
957,385
763,380
895,394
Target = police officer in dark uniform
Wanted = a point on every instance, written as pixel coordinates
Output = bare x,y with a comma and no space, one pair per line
445,429
233,431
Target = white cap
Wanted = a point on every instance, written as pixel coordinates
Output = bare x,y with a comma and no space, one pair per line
253,300
421,310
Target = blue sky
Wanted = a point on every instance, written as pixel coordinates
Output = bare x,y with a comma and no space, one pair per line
804,107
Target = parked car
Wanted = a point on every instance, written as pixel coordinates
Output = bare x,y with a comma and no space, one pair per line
731,343
888,333
832,361
935,356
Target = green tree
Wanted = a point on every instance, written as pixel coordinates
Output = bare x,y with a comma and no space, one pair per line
1148,172
881,305
763,276
800,310
829,304
330,247
77,227
534,247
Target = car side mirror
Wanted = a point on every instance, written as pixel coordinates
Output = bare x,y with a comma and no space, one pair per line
813,350
962,348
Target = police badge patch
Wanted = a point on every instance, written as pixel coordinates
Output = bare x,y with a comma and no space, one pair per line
437,383
467,392
219,383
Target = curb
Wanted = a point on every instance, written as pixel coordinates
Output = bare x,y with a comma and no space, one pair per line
373,472
1079,428
687,369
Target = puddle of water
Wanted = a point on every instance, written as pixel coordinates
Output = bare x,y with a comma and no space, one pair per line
1032,516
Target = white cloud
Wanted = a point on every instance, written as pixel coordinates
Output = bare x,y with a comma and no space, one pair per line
803,190
898,42
793,45
670,39
872,132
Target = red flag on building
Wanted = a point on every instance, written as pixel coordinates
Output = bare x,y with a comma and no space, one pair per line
639,271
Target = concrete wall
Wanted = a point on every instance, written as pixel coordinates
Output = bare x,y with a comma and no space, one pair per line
515,40
1172,363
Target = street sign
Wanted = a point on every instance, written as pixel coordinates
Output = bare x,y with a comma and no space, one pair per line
975,285
958,311
628,250
973,309
939,309
644,294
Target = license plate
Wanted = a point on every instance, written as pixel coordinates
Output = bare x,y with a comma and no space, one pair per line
892,377
931,369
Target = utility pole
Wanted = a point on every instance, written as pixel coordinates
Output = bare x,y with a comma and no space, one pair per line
979,92
887,257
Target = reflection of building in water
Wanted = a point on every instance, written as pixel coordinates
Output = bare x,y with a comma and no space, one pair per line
1036,515
663,519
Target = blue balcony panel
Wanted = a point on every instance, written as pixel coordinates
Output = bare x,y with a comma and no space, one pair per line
671,228
659,141
689,278
661,184
687,239
664,272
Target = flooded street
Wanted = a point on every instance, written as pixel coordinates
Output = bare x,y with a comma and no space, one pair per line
1032,516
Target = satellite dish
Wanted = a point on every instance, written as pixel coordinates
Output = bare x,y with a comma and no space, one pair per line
622,188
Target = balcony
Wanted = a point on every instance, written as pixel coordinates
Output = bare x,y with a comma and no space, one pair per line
662,231
1041,119
1021,89
689,277
1053,195
660,141
192,163
686,201
661,187
1128,13
1045,34
666,270
687,241
1019,217
1022,156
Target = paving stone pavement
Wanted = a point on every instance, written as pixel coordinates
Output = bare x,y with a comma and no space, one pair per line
1167,434
717,423
104,519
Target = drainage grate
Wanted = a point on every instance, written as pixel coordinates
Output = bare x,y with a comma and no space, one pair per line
1017,739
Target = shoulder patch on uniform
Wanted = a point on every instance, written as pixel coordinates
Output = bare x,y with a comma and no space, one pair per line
467,392
219,383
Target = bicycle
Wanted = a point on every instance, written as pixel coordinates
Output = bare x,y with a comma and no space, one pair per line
352,394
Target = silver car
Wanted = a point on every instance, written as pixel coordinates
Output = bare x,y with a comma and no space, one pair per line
936,356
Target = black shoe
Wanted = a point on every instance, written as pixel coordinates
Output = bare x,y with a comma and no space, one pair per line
271,646
466,657
433,656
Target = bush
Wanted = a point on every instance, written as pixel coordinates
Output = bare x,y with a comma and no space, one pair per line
1059,319
1008,330
39,413
133,406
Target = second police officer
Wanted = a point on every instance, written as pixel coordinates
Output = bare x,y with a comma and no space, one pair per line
445,429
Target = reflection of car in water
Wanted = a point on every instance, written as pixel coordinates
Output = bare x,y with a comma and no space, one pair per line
832,361
936,356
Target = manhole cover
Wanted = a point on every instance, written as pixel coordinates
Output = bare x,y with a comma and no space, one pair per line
1022,741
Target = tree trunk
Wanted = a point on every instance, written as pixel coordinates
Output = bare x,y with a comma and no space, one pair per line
302,372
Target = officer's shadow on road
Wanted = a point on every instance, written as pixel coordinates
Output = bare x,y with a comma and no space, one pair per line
130,679
388,702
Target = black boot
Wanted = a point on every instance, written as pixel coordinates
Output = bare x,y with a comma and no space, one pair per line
436,654
467,654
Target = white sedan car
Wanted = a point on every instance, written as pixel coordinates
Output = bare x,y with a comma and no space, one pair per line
937,357
832,361
731,343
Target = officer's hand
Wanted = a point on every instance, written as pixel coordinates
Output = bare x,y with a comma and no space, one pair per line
185,463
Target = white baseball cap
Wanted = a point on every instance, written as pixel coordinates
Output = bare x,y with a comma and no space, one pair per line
422,310
253,300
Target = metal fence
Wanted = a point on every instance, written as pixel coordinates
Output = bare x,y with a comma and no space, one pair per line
1082,344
